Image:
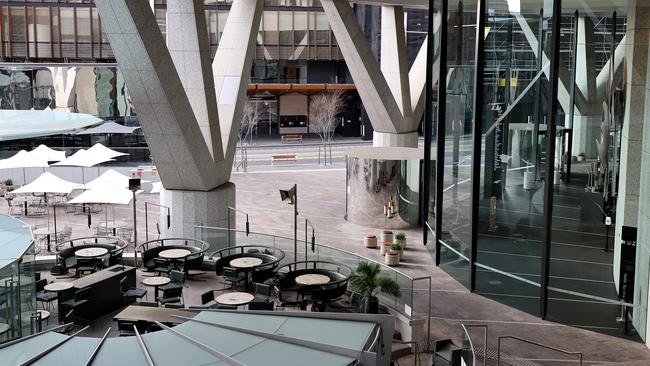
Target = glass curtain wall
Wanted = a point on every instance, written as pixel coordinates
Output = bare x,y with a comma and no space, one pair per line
527,226
513,159
455,233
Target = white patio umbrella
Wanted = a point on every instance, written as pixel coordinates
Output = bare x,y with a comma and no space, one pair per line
49,183
48,154
23,159
111,178
102,151
157,186
109,127
104,194
84,159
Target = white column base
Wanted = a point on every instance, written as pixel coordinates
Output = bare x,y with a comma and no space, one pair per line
387,139
191,208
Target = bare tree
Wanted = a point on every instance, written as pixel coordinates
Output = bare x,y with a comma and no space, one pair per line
250,117
323,111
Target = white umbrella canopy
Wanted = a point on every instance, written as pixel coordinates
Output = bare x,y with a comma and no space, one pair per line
43,152
83,158
111,178
108,128
23,159
102,151
157,186
104,194
48,183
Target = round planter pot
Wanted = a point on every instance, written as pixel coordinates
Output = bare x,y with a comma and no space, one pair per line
392,258
370,306
385,247
401,243
370,241
387,236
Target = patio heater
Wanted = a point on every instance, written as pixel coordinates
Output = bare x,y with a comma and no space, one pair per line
291,195
313,238
146,217
134,186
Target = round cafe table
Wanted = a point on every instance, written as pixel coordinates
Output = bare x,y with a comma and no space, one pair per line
245,262
174,255
312,279
59,288
234,298
155,282
91,252
46,233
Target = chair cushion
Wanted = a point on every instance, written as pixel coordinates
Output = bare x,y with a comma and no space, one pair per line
136,292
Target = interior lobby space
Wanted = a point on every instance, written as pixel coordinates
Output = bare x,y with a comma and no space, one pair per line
324,182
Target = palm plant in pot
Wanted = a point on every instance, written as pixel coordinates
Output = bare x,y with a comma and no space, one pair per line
367,283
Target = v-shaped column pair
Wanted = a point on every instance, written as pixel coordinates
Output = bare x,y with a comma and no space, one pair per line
392,95
189,106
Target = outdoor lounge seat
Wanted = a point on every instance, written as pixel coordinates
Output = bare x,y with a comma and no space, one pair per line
81,298
161,266
86,265
171,295
131,293
44,297
232,276
126,329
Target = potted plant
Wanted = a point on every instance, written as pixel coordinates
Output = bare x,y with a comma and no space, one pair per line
370,241
387,235
392,258
397,248
581,157
367,283
9,184
400,239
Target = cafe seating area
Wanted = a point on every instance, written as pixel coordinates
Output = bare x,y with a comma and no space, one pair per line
164,255
88,254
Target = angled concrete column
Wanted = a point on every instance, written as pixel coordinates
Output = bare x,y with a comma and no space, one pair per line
64,87
189,47
393,61
586,58
392,95
232,67
187,104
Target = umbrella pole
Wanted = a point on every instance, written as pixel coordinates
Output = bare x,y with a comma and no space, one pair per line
24,177
54,209
48,213
106,216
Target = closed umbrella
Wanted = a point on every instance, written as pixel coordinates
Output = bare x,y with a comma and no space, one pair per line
23,159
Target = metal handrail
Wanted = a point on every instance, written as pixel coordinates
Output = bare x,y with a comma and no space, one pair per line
485,335
579,354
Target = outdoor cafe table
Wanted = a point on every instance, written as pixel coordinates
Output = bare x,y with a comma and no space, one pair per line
90,252
174,255
47,233
59,288
312,279
111,227
247,264
155,282
234,298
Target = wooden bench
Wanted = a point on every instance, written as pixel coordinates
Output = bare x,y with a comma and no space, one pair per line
283,157
291,138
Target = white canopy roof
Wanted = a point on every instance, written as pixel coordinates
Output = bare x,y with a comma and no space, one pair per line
43,152
48,183
83,158
20,124
110,178
100,150
109,127
103,193
23,159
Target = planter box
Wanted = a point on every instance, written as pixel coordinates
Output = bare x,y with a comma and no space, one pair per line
370,241
385,247
391,258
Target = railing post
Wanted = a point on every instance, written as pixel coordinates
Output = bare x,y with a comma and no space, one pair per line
499,351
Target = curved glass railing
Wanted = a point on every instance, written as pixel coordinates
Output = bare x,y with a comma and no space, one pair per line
411,295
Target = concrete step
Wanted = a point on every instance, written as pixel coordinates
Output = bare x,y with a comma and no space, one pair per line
399,350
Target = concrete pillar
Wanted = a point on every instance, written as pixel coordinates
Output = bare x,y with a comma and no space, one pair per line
64,87
387,139
586,130
191,208
393,61
636,108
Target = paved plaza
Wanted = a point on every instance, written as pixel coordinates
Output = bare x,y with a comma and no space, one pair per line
321,193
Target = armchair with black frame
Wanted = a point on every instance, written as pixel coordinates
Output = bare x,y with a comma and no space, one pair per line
44,297
69,307
171,296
